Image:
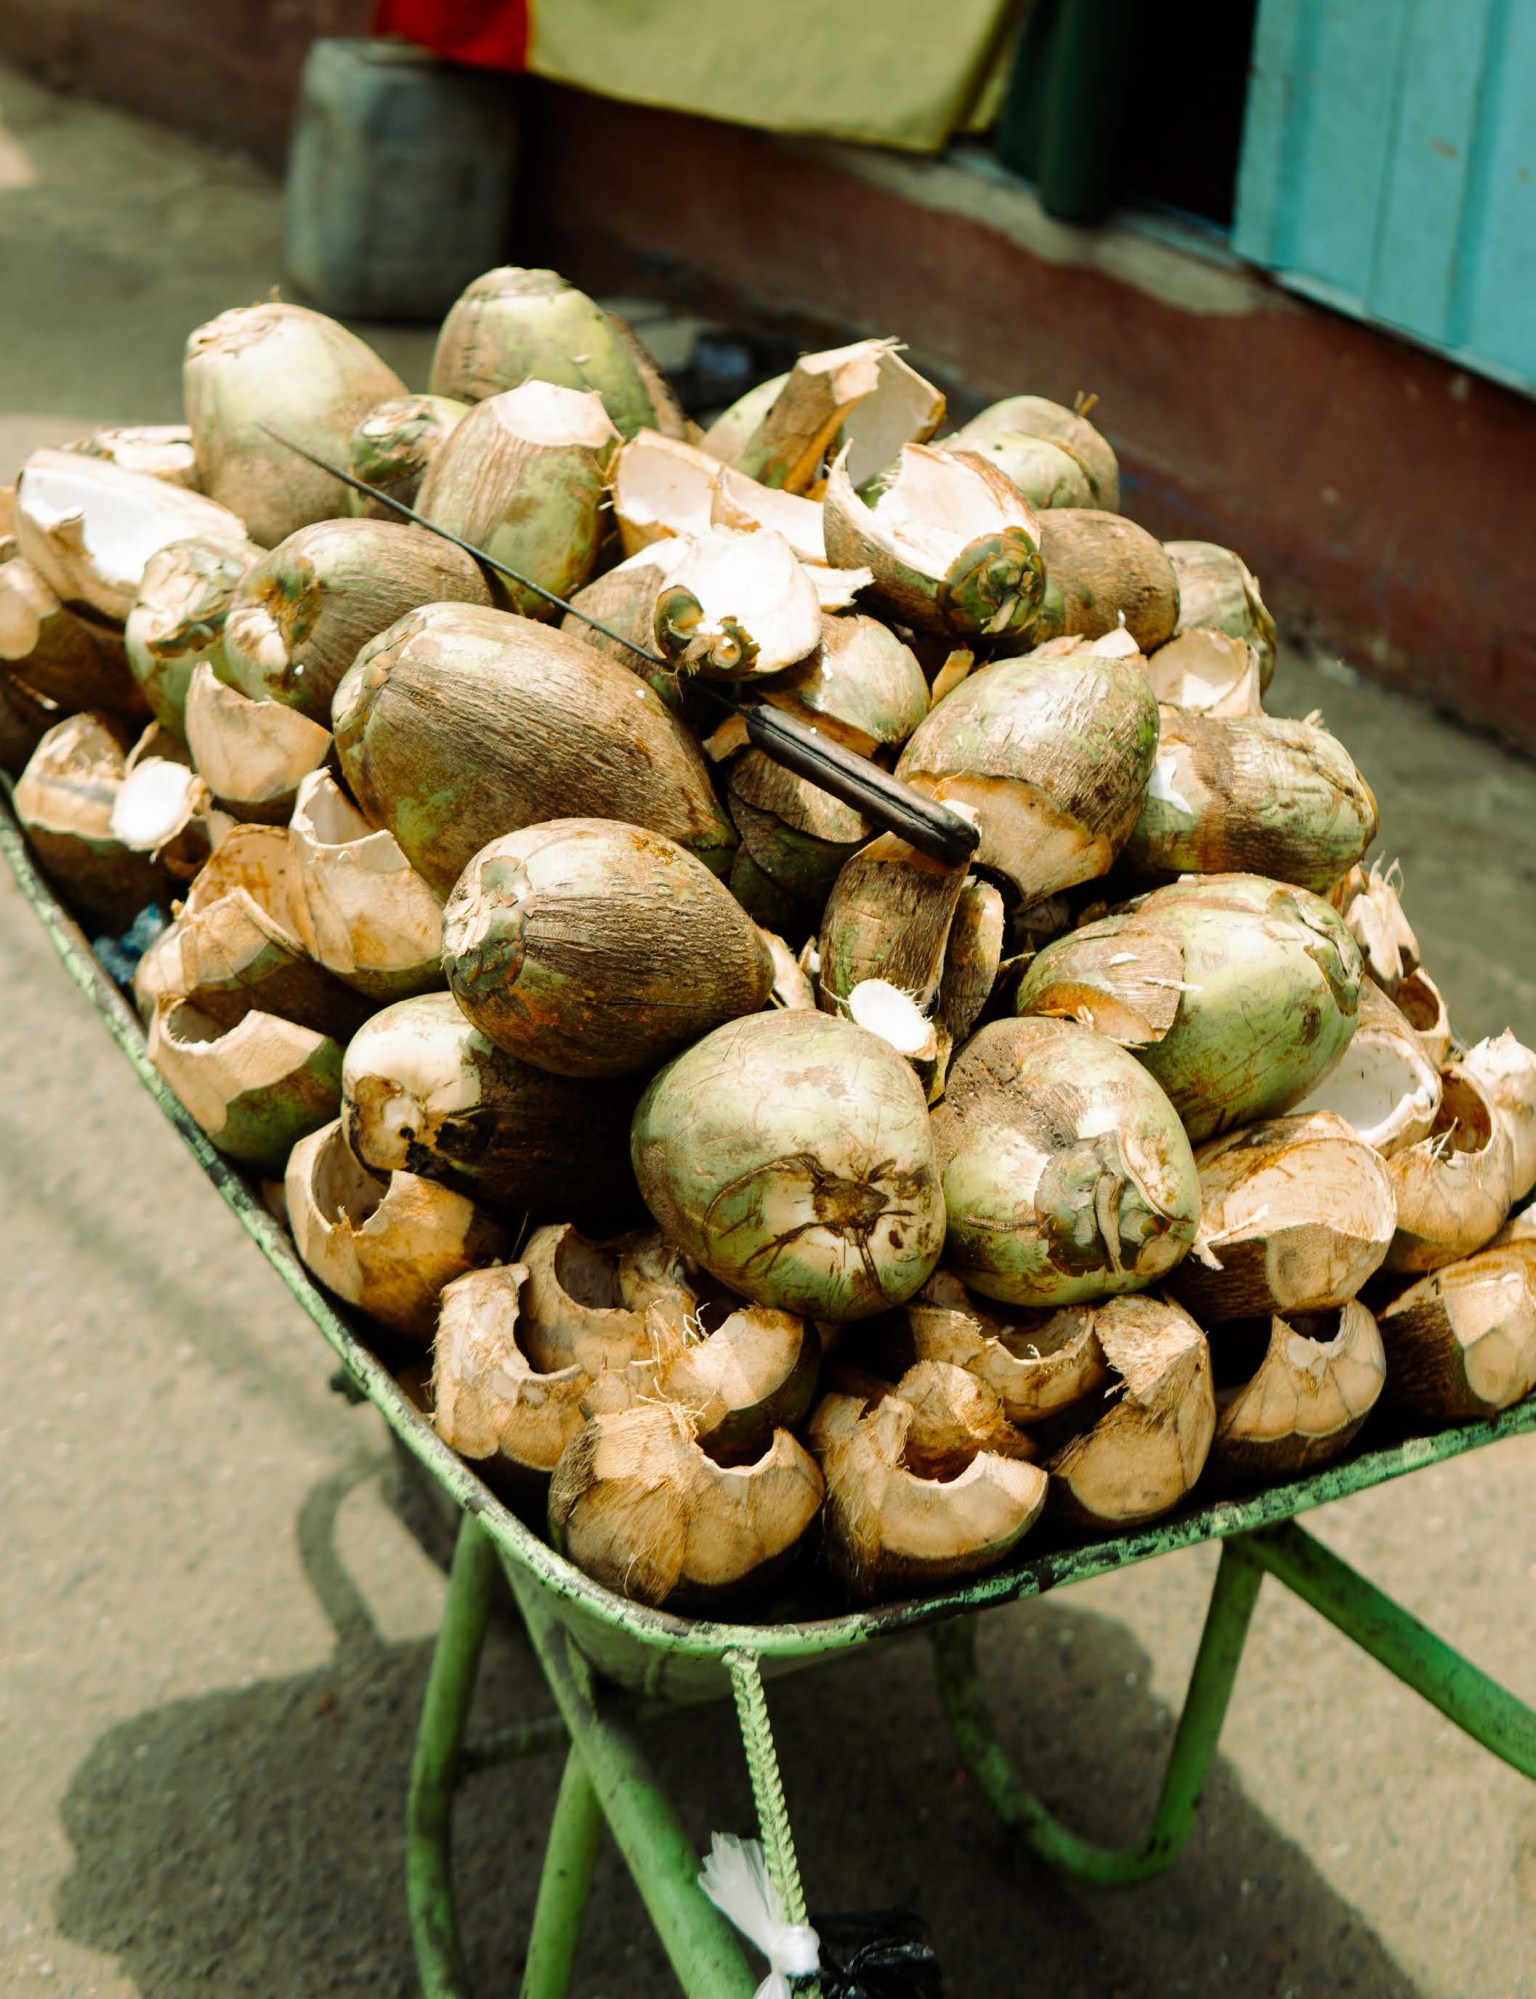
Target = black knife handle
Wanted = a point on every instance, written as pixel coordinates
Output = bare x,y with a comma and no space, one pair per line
933,828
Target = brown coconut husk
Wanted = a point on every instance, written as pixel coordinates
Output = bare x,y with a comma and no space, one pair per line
238,943
253,755
64,799
638,1504
1037,1363
366,914
1251,794
1102,572
889,917
798,834
1422,1005
388,1246
861,686
1296,1214
433,726
891,1528
1321,1376
592,948
54,653
1142,1456
1461,1343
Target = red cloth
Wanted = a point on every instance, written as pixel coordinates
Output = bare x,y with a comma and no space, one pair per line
491,34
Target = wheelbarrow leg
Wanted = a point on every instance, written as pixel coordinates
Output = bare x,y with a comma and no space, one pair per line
699,1943
1194,1744
564,1884
435,1766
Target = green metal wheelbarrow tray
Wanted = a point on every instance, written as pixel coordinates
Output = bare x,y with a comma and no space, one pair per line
610,1663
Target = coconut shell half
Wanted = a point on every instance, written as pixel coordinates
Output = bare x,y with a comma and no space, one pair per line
388,1246
1321,1376
1461,1343
64,799
366,914
256,1088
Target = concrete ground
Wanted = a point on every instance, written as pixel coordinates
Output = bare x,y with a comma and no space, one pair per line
214,1622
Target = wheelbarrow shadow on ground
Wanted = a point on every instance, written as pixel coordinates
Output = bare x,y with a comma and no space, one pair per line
250,1842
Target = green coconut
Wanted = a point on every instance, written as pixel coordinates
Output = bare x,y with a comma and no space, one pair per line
1051,753
1103,572
301,615
524,477
1252,794
436,727
1039,418
393,446
264,368
789,1153
1217,591
1236,993
1045,473
1067,1175
512,324
592,948
177,621
424,1091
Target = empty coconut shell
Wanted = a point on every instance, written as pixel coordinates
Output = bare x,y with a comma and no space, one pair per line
1371,905
388,1246
1384,1086
863,396
1505,1071
738,606
1145,1452
177,621
1321,1376
1035,1362
256,1088
64,798
252,755
1461,1343
1453,1187
1207,673
638,1504
52,652
366,914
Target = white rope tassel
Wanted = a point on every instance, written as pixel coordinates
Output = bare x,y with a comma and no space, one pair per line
735,1878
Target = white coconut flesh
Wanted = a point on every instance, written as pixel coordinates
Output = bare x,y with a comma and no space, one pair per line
884,1009
836,589
739,502
90,527
1384,1088
1206,672
157,800
901,408
753,609
934,509
662,487
249,751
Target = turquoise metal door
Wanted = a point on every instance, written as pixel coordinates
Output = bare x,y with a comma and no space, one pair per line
1389,168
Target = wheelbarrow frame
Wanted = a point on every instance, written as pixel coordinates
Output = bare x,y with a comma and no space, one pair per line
610,1664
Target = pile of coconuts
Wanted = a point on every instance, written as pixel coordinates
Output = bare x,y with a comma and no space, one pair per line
743,1192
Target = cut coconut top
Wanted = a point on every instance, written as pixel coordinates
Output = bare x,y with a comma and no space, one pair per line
90,527
545,413
161,450
1207,672
739,605
938,504
662,486
156,799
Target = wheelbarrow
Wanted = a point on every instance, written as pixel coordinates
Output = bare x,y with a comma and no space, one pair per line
612,1665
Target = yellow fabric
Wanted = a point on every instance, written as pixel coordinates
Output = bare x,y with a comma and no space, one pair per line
890,72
